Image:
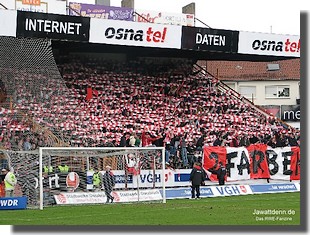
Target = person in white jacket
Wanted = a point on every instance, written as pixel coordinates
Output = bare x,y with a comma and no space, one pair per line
9,182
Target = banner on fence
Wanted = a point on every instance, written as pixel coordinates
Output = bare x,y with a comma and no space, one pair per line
257,161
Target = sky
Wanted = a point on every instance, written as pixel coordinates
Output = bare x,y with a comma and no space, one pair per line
264,16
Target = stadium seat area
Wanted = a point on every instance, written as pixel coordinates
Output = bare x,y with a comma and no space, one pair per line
103,101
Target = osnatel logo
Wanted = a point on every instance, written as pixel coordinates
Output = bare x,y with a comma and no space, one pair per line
281,46
136,35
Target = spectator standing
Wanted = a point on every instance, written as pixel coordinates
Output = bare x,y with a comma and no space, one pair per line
97,176
292,141
147,139
183,145
253,139
244,141
234,141
63,168
281,139
124,142
2,188
6,143
221,174
138,140
221,139
191,148
197,177
272,142
27,144
108,181
132,140
218,141
167,151
200,142
20,144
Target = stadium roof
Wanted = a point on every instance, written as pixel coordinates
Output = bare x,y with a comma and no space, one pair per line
83,47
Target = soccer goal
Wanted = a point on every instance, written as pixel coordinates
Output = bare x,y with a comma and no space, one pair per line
77,175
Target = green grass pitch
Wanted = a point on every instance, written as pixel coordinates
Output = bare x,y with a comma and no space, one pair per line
233,210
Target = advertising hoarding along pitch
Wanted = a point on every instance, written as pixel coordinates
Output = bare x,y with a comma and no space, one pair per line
40,25
134,34
13,203
274,188
206,39
100,197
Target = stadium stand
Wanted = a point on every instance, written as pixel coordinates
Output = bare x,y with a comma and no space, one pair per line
157,103
99,102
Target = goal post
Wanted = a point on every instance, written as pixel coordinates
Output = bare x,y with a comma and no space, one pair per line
77,175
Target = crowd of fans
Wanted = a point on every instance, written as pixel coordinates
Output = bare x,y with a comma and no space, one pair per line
138,103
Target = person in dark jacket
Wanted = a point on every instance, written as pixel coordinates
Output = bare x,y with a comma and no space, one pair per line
221,174
197,177
200,142
292,141
108,181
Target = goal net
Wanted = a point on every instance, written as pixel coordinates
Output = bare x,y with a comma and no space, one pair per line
31,86
75,175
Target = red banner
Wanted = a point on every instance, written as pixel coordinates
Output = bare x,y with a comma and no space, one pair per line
258,161
212,158
89,94
295,164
